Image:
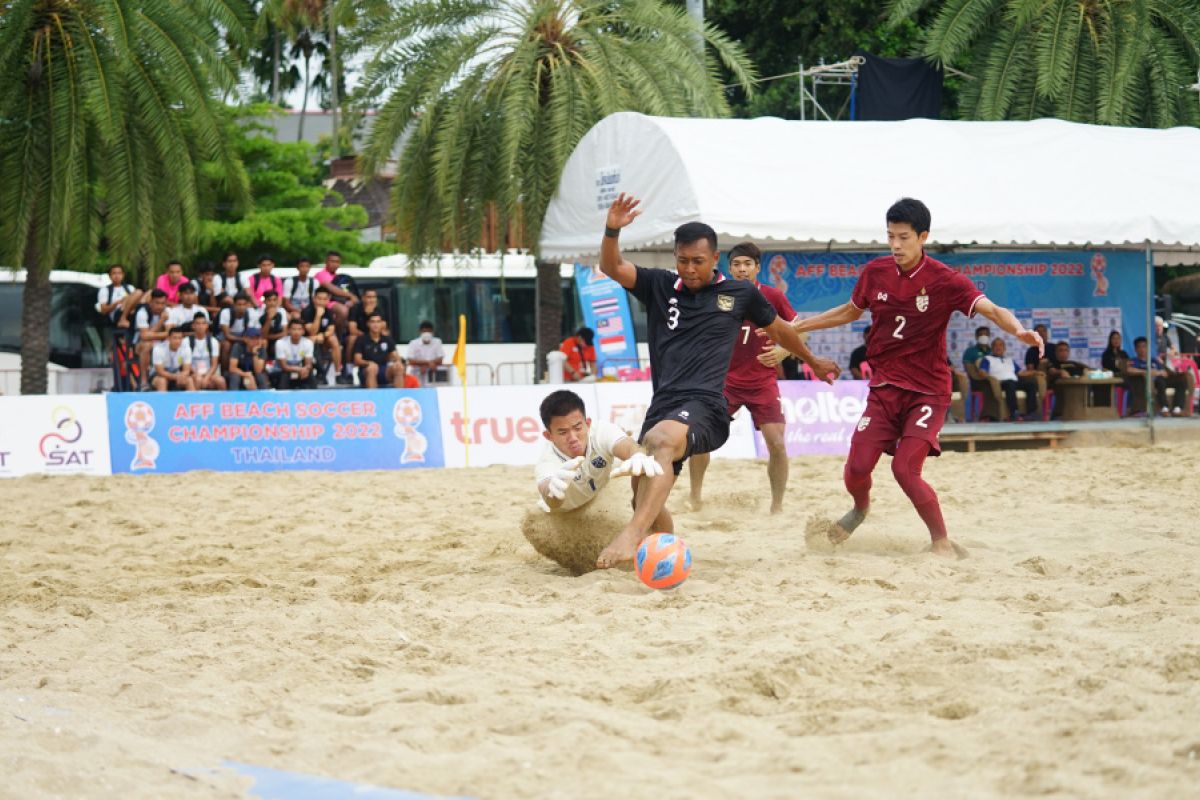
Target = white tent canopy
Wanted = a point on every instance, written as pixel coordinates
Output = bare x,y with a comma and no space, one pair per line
798,185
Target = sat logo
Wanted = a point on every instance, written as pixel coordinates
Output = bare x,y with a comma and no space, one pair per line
56,447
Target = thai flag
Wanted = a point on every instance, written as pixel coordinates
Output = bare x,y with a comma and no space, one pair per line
604,305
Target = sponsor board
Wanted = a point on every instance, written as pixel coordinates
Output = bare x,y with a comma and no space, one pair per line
274,431
820,419
54,435
500,424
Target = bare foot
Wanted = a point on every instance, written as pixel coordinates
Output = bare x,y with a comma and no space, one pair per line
777,508
840,531
621,550
695,503
948,549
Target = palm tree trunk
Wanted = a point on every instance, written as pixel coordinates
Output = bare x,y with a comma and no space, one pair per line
304,102
549,313
276,57
334,96
35,322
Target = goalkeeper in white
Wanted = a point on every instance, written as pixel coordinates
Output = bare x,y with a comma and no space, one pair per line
579,456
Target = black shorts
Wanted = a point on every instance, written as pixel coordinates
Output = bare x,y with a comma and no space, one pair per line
707,421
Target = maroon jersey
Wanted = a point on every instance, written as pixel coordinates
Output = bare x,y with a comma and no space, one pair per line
909,314
745,370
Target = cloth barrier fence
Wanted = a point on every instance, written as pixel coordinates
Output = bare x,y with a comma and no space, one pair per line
379,429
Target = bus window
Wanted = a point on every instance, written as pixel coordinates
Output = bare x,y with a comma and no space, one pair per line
79,337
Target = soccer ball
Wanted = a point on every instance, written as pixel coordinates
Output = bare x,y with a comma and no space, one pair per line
407,412
139,417
663,561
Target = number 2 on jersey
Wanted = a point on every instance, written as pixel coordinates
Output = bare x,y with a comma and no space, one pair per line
899,327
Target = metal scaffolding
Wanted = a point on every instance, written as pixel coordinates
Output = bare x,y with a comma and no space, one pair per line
843,73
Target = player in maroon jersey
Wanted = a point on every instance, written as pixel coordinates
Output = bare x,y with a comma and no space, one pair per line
753,384
911,298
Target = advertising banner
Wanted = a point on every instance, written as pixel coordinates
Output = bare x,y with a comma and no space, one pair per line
820,418
54,435
1081,295
501,423
605,307
275,431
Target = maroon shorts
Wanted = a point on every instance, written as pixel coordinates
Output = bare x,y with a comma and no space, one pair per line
763,401
893,414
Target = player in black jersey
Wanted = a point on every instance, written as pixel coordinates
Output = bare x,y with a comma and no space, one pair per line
695,315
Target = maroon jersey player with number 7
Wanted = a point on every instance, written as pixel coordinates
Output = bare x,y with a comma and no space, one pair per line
911,298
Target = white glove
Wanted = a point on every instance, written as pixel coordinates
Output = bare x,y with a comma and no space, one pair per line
638,464
556,487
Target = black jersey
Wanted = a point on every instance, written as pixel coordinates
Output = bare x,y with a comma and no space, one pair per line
380,352
692,334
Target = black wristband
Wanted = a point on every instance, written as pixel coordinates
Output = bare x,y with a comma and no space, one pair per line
612,233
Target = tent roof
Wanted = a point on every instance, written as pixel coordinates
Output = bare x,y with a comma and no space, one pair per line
791,184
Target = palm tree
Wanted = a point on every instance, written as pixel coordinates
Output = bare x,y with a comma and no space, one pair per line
1112,62
494,96
107,110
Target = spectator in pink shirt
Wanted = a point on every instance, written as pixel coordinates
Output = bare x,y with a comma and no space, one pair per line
171,281
343,290
263,281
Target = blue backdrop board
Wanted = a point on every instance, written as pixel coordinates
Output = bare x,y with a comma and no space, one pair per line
1080,295
605,307
271,431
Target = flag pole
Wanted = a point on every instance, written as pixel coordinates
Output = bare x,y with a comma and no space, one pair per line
460,365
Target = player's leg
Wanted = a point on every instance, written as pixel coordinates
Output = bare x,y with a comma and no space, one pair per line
697,466
856,475
777,462
698,462
906,467
918,440
666,443
876,433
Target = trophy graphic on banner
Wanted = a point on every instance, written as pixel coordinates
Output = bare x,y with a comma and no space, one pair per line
139,421
407,414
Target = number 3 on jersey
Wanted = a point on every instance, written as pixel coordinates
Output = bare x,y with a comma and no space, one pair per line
899,327
673,317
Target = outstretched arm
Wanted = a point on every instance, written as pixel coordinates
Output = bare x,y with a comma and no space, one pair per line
1008,323
833,318
782,332
623,211
839,315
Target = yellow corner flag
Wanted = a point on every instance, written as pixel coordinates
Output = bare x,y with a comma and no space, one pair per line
460,352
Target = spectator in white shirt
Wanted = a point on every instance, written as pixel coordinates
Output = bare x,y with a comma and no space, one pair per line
298,291
172,364
426,354
149,327
229,283
232,324
206,355
188,308
117,300
294,356
1000,366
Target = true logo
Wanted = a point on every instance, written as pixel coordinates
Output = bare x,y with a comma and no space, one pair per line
863,423
725,302
599,463
922,301
882,296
